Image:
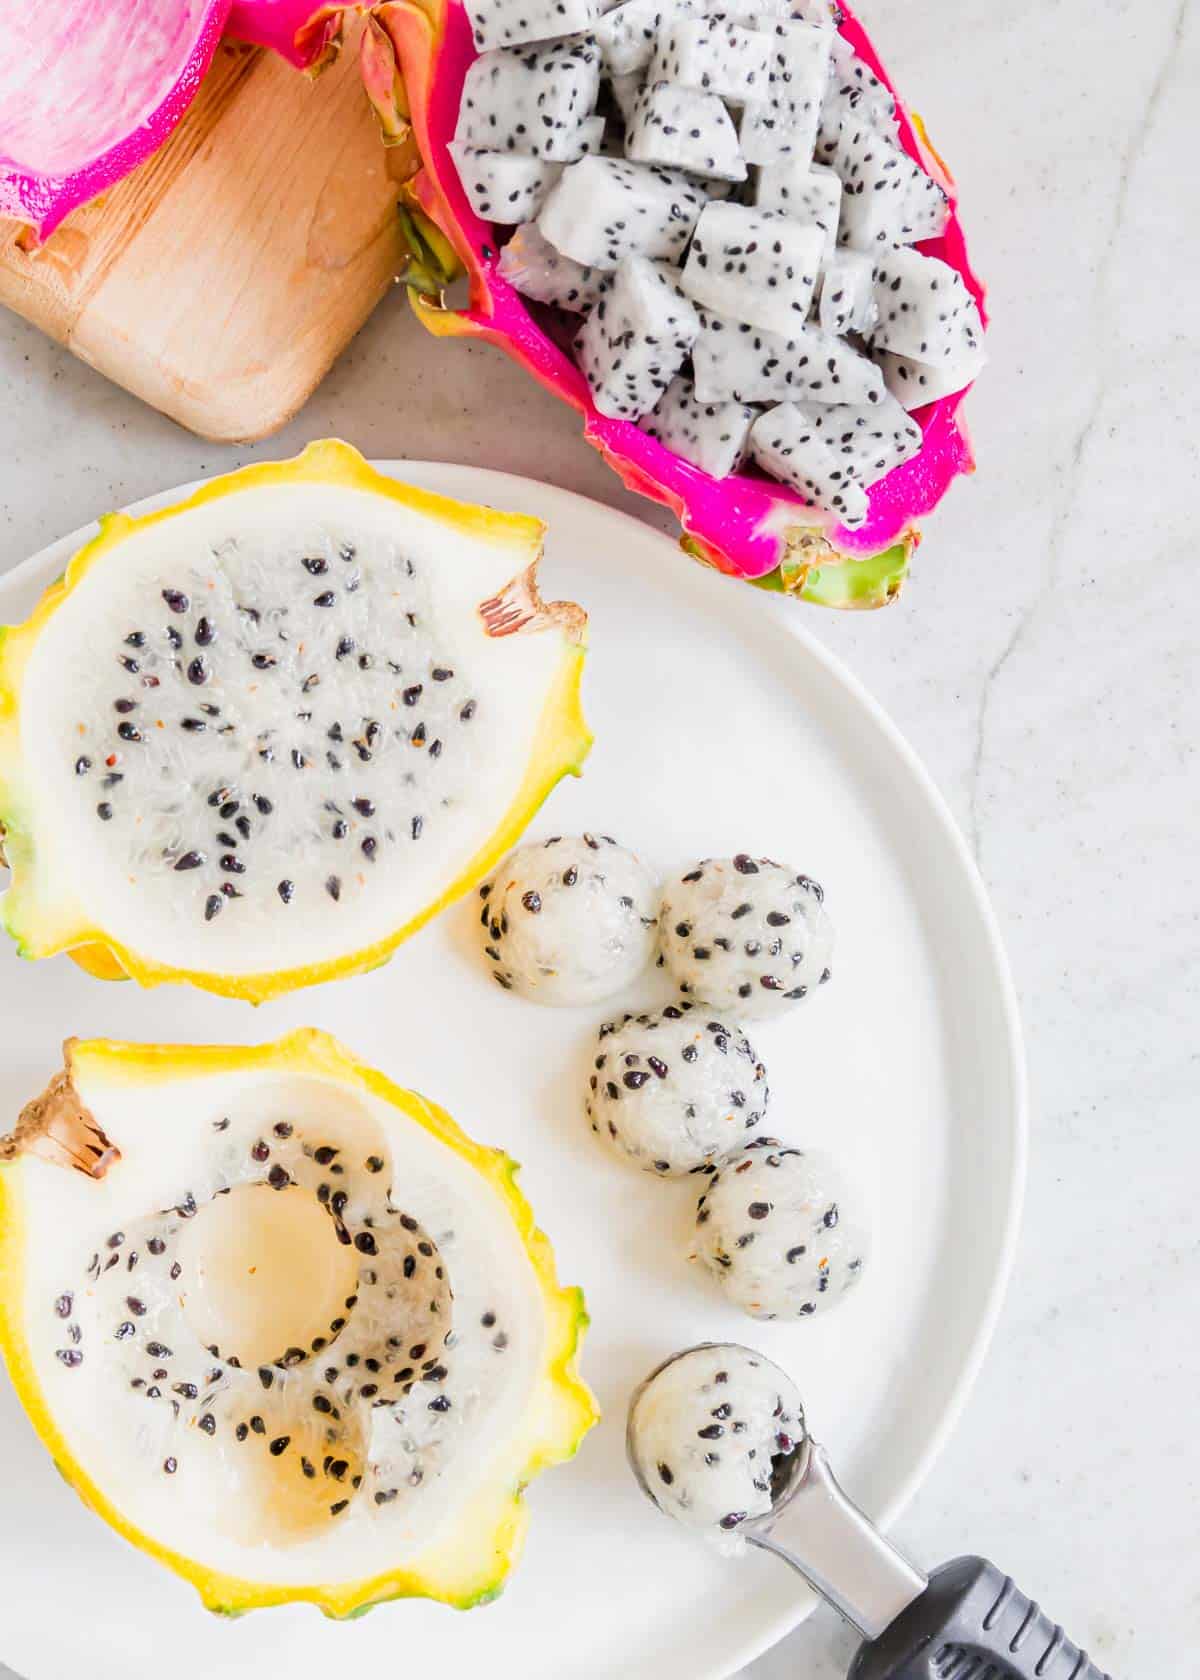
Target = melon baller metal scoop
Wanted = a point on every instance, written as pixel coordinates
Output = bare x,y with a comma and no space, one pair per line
964,1621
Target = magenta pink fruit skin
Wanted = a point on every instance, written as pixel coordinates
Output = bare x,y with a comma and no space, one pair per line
739,521
43,200
275,24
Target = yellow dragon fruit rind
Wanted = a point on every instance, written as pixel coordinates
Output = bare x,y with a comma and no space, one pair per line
744,525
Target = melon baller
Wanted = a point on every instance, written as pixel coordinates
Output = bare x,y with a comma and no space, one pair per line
964,1621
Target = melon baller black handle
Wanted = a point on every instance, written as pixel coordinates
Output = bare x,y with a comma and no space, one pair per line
972,1621
966,1621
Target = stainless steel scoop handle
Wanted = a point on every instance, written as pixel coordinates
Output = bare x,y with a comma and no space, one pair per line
966,1621
846,1559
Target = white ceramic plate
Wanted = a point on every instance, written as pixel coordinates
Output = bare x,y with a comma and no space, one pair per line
720,727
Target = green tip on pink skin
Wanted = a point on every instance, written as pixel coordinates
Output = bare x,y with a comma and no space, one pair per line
744,525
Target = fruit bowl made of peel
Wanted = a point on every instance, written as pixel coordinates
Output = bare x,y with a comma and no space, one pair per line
717,234
256,740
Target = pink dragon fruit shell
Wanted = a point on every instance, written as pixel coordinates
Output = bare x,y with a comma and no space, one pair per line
88,92
747,526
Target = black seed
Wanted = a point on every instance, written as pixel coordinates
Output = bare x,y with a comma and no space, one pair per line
733,1519
711,1432
232,865
759,1210
176,600
635,1080
440,1404
468,711
258,1426
325,599
262,661
570,876
278,1178
242,1431
189,860
197,671
260,1151
104,812
170,1465
127,732
136,1307
279,1445
315,565
340,1506
667,1474
187,1389
156,1245
263,804
370,846
266,1376
285,889
322,1403
345,646
123,1331
745,865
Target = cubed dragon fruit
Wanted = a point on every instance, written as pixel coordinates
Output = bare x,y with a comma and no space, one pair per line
871,438
883,190
636,338
712,436
682,129
532,99
625,90
805,191
854,95
534,268
914,383
922,304
713,55
785,124
628,33
752,266
746,525
605,209
504,186
785,443
733,361
847,303
515,23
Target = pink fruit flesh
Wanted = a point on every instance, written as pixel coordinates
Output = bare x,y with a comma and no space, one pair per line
88,91
744,525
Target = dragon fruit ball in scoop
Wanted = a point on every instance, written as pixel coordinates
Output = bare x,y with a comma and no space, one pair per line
677,1091
745,934
569,920
706,1436
779,1230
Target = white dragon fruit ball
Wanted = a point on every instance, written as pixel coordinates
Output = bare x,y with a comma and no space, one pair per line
780,1232
708,1433
745,934
569,920
675,1092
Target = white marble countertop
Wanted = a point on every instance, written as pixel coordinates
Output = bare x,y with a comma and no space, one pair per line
1043,661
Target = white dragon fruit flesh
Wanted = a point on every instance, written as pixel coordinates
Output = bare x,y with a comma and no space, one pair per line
745,934
807,192
603,210
504,186
569,920
712,436
914,383
753,266
534,268
514,23
883,191
708,1432
636,338
675,1092
870,439
847,303
627,34
787,444
785,123
625,90
779,1231
682,129
713,55
923,305
732,360
532,99
855,95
